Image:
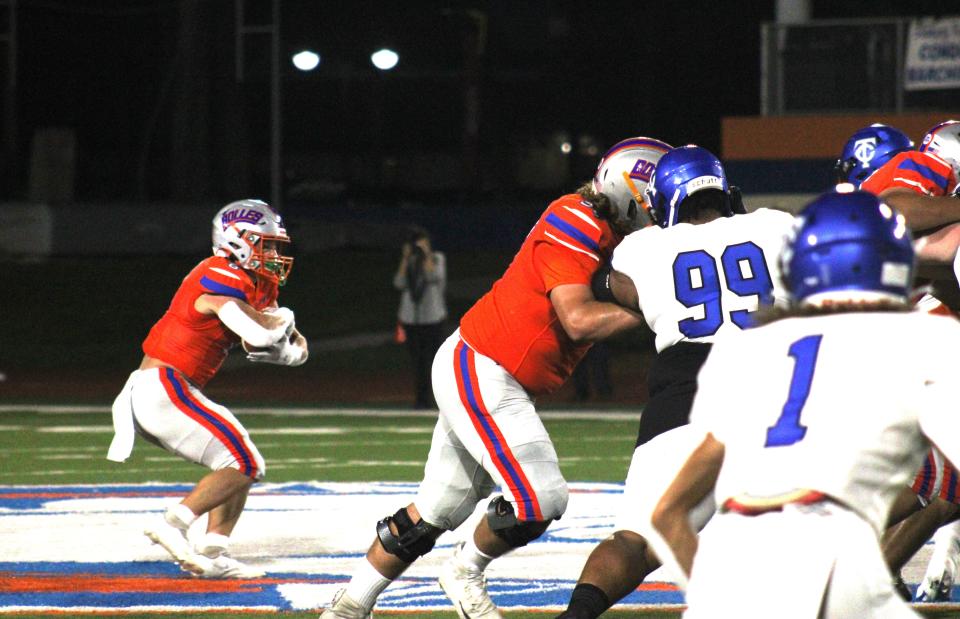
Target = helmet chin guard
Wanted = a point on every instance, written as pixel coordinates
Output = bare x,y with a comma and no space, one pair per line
252,234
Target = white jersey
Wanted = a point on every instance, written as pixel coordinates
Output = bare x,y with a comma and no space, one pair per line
697,281
844,404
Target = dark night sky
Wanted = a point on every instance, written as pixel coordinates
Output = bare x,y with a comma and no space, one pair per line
609,69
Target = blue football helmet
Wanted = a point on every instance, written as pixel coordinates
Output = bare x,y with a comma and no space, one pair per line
868,149
679,174
848,247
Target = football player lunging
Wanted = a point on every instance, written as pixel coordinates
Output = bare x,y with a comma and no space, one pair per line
812,425
522,339
229,297
697,276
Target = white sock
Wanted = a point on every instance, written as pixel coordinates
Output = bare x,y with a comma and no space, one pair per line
366,585
471,556
213,545
179,516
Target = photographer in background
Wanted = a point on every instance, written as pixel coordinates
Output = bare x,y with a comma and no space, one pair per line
422,279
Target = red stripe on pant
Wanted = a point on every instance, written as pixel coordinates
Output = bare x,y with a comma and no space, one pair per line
171,381
528,507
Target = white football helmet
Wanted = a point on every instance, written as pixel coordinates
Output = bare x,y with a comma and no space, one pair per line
252,234
623,174
944,142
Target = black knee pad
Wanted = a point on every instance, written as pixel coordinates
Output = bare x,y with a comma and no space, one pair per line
411,541
504,524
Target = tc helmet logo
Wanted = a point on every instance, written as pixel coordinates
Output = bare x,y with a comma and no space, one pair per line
643,170
864,150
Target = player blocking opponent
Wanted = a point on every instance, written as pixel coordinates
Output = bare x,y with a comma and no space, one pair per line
523,338
227,298
697,276
812,425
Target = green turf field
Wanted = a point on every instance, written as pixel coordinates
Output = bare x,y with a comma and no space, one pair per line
69,448
39,447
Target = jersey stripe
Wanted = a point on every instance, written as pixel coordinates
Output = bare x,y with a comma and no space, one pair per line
469,388
912,166
573,247
583,217
216,424
572,232
216,287
225,272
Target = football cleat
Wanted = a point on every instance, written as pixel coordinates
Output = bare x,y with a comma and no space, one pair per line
174,541
466,587
345,607
225,566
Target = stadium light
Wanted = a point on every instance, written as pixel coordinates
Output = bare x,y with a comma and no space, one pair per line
384,59
306,60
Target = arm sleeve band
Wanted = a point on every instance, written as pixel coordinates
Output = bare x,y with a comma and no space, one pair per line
247,328
600,285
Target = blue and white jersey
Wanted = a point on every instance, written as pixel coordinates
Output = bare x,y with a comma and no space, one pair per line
844,404
698,281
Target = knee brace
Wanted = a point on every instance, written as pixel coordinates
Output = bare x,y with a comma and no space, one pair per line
411,540
504,524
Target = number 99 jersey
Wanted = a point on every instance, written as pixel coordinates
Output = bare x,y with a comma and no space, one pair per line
697,281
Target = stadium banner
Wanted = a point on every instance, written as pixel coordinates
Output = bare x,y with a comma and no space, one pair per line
933,54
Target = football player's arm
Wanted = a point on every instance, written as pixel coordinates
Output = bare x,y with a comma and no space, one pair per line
921,211
937,253
260,329
694,480
585,319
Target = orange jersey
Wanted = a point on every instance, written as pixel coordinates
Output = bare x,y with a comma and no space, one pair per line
921,172
515,323
194,343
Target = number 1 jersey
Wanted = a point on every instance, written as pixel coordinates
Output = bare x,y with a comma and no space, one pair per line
844,404
697,281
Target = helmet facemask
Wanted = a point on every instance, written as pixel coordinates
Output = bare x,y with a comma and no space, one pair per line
252,234
267,258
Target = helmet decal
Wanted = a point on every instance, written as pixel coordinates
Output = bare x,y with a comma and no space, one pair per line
868,149
623,175
251,234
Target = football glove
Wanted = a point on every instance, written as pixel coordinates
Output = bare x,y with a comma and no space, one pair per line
282,353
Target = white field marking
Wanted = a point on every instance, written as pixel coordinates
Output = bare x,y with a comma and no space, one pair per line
45,409
335,443
54,472
281,431
50,449
75,429
65,457
12,428
285,464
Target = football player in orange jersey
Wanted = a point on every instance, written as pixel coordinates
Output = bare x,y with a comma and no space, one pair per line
520,340
228,298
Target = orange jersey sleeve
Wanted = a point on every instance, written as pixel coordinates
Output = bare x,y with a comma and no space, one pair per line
194,343
920,172
515,323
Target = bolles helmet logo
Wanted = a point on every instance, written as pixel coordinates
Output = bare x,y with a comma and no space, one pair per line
643,170
247,215
864,150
